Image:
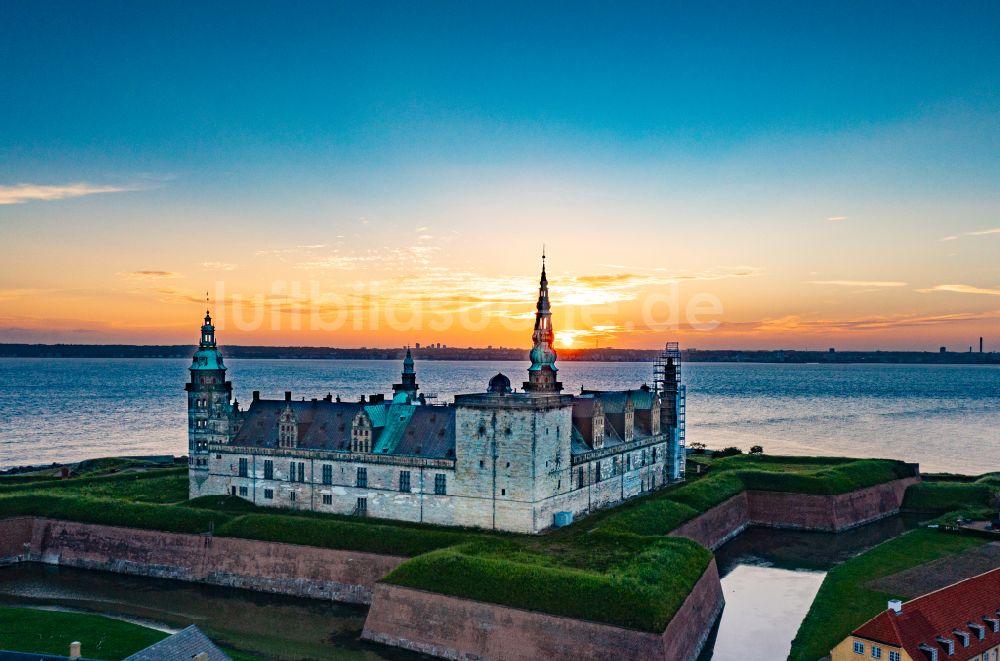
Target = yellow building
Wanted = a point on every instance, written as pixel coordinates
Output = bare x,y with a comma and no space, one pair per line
960,622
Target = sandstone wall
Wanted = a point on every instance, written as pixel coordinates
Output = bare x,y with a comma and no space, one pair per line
304,571
455,628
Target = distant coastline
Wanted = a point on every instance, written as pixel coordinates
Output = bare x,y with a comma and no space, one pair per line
609,355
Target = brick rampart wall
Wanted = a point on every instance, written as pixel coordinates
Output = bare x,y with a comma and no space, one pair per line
304,571
776,509
456,628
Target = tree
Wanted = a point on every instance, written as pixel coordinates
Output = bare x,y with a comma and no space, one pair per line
697,448
728,452
756,449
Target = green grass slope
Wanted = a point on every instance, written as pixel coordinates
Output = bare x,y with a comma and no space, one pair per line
844,602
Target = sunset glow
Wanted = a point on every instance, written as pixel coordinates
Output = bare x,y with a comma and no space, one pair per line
325,195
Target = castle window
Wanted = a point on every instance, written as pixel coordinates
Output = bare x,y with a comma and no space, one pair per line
302,471
243,491
268,494
327,499
362,481
362,506
654,455
503,492
243,467
291,496
859,648
597,472
876,652
579,478
327,474
404,481
440,484
628,462
268,469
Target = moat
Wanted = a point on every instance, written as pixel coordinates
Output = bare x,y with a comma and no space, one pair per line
769,578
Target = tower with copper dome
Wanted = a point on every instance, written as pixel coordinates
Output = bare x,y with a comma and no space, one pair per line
210,409
542,373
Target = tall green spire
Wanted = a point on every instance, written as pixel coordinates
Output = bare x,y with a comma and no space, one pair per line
542,373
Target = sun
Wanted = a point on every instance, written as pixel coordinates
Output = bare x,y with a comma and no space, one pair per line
565,338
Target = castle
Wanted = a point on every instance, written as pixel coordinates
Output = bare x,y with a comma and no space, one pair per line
502,459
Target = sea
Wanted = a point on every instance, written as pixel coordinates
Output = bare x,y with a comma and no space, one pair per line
946,418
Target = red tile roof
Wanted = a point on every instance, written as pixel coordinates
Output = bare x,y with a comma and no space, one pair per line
938,614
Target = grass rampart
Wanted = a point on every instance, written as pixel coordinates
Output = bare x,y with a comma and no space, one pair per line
844,601
615,566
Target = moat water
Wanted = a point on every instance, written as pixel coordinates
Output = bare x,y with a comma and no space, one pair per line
944,417
769,578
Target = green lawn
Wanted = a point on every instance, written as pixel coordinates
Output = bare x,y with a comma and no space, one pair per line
844,603
51,632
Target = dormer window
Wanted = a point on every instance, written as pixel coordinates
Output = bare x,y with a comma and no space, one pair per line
361,433
629,420
654,416
288,429
597,440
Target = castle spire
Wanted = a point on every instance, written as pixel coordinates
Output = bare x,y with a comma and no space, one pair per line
542,373
408,380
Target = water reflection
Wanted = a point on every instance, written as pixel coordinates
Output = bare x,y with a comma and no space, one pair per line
271,626
770,578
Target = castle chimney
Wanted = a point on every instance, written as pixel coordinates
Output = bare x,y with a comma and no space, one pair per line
896,606
74,650
288,395
256,395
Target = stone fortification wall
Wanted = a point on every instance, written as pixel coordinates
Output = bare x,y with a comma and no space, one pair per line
775,509
456,628
304,571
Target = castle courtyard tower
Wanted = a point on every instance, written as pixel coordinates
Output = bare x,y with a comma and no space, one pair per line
542,373
210,411
408,379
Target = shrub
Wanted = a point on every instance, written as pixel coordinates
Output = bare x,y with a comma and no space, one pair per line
728,452
756,449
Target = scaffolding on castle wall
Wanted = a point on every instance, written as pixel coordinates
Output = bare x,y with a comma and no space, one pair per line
672,350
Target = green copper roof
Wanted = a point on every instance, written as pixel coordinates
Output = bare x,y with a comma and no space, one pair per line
397,417
207,359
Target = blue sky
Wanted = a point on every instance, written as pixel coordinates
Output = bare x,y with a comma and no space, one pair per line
730,132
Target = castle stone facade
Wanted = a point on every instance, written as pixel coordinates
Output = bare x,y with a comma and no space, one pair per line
500,459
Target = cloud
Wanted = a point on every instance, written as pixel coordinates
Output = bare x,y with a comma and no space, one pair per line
219,266
992,230
836,219
150,275
21,193
961,289
796,325
857,283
